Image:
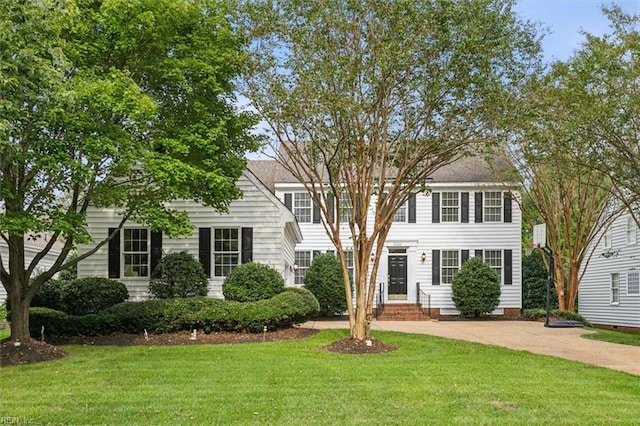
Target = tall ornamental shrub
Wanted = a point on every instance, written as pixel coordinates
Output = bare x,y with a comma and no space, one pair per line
534,283
476,288
178,275
252,281
324,280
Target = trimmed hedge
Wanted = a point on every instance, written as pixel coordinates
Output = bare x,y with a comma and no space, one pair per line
169,315
178,275
91,295
251,282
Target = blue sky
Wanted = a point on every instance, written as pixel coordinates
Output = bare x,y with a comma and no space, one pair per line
566,18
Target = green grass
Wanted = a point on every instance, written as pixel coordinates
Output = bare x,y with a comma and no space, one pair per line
612,336
429,380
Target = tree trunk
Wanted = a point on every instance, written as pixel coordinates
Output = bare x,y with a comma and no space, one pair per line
559,281
572,288
19,318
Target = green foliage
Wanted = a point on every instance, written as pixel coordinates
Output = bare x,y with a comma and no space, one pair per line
324,280
51,295
252,281
70,273
178,275
540,313
292,306
3,311
476,288
534,283
91,295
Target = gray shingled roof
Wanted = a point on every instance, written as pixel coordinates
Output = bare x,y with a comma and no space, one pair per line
466,170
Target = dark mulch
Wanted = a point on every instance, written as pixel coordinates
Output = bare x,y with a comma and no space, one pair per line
28,352
347,345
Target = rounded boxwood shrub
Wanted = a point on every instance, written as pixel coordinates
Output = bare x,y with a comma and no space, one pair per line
476,288
178,275
51,295
252,281
324,280
92,294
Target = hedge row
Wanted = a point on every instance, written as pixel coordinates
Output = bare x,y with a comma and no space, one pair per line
169,315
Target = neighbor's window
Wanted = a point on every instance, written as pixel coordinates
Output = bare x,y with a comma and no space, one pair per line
303,261
615,288
350,267
401,214
450,265
607,238
493,206
632,231
346,209
450,205
302,207
493,258
633,283
226,251
136,252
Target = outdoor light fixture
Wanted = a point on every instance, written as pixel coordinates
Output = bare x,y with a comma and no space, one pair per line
294,267
373,256
423,257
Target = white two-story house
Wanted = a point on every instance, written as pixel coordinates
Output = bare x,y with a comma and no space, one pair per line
468,213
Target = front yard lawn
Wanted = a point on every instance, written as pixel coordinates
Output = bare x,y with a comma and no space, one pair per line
612,336
429,380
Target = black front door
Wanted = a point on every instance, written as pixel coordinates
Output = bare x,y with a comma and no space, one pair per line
397,275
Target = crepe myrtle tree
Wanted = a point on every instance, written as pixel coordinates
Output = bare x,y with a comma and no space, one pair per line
111,103
365,99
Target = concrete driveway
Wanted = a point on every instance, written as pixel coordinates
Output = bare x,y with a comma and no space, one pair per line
522,335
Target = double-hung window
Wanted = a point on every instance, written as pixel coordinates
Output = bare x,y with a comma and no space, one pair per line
401,214
136,252
493,206
450,205
607,239
350,266
632,230
226,250
450,265
615,288
303,261
346,209
302,207
493,258
633,283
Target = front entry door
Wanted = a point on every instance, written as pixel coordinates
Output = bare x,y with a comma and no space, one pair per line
397,276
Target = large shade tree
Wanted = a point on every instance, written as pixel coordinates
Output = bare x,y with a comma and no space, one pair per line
111,103
365,99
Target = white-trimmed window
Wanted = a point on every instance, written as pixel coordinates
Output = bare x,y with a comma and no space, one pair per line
450,264
350,264
401,214
493,206
303,261
633,283
615,288
632,231
607,239
135,251
493,258
450,206
302,207
346,209
226,250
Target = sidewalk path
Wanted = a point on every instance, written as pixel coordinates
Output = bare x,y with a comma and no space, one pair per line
522,335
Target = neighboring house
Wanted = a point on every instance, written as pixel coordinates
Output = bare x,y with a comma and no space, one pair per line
609,292
257,228
32,246
469,213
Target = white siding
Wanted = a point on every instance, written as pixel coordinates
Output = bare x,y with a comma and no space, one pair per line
425,236
594,301
257,209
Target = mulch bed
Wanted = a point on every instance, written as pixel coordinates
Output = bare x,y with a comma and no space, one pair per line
347,345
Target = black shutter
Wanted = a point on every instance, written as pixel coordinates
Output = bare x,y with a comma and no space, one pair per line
465,256
507,208
204,249
478,207
412,208
247,245
315,253
508,267
156,250
114,254
479,253
435,267
331,208
465,208
358,209
316,213
435,207
288,201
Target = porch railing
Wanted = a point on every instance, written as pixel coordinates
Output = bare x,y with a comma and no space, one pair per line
423,299
380,300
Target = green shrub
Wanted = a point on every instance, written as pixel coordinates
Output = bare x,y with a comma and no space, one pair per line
51,295
3,311
169,315
251,282
534,283
92,294
539,313
178,275
324,280
534,313
476,288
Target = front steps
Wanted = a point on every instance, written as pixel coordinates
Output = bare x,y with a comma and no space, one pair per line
401,312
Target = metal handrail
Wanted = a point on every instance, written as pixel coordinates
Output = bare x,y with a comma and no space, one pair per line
421,297
380,299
